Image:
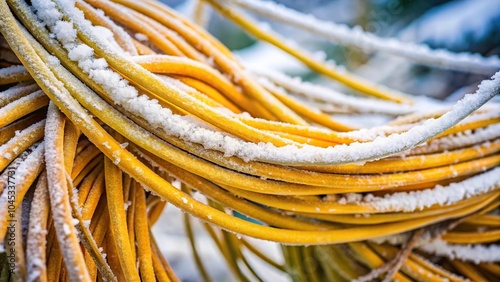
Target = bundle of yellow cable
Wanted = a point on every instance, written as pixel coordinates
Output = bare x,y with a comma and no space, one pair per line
105,104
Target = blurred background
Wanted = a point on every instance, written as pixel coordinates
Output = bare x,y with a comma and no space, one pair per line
460,26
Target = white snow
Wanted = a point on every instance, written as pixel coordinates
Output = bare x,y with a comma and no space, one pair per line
11,71
439,195
211,139
369,42
159,117
328,95
16,92
476,253
454,141
141,37
106,144
25,175
20,135
11,107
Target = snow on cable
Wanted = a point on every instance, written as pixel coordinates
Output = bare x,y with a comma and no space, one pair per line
328,95
439,195
159,117
476,253
368,42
